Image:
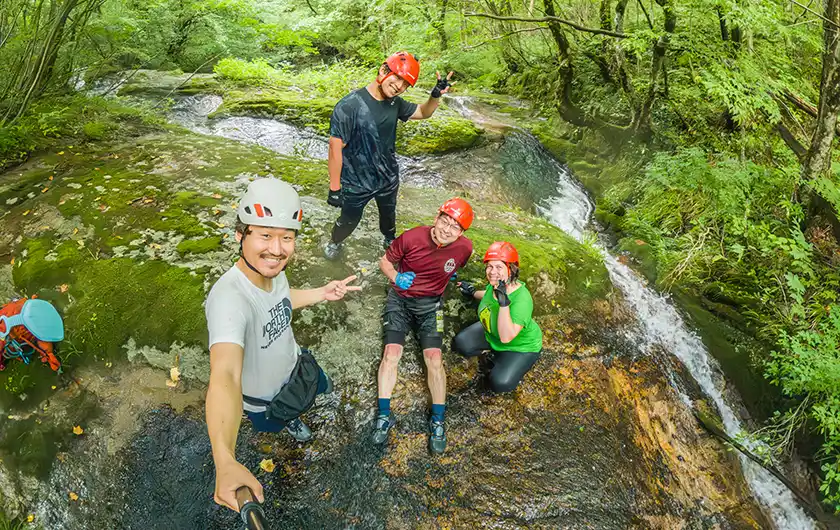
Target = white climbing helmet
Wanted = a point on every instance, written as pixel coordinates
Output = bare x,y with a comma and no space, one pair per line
270,202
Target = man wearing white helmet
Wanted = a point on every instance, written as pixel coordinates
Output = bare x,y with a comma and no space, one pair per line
255,361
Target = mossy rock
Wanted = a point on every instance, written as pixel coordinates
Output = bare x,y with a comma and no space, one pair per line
292,107
441,133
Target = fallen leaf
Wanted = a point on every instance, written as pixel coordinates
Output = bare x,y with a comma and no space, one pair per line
174,373
12,262
61,457
51,177
54,387
63,288
640,242
77,430
220,225
267,465
61,152
171,384
73,496
216,212
30,518
26,212
96,168
75,231
62,201
109,364
147,201
44,190
45,227
216,196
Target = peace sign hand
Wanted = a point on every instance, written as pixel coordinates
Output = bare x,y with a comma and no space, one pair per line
335,290
443,85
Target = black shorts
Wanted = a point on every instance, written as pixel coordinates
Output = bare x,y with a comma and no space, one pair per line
402,315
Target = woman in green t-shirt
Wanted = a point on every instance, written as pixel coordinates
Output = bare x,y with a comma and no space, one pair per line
505,324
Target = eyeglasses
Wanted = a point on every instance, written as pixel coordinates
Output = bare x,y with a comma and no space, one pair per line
450,225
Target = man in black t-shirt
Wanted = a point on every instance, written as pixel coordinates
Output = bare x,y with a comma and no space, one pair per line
362,157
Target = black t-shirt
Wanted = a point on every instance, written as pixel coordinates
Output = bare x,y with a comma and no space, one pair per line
369,128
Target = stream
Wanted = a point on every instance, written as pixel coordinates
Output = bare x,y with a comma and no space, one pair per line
660,326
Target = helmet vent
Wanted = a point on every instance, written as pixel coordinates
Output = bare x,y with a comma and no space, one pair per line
248,210
267,211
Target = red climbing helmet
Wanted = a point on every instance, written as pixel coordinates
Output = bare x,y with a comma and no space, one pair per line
502,251
460,210
404,65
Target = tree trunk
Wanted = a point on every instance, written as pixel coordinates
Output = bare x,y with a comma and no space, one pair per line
440,25
817,162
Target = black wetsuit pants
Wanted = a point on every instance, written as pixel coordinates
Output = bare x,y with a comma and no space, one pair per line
509,367
353,207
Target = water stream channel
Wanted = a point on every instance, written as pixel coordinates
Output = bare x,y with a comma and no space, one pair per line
563,201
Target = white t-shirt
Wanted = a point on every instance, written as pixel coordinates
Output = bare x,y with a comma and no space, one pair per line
261,322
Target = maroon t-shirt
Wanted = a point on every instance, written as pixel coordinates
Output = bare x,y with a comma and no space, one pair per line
415,251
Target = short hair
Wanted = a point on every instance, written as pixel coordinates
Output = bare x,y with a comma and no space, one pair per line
242,228
514,272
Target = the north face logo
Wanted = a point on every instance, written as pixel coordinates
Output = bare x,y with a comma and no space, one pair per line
450,265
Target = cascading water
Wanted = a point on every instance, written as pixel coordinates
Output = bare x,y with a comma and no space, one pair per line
661,326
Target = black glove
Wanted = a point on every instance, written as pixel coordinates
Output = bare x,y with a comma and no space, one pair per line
442,84
501,294
334,198
467,288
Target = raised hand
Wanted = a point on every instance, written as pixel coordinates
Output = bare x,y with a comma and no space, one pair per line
443,85
336,289
501,294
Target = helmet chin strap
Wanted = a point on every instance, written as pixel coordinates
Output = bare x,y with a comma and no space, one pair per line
379,82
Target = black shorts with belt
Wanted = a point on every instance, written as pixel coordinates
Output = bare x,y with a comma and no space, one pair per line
402,315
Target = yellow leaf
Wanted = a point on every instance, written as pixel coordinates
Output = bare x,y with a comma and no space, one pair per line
62,201
267,465
73,496
54,387
63,287
77,430
45,227
51,177
174,373
12,262
44,190
26,212
171,384
30,518
96,168
109,364
220,225
75,231
216,196
61,152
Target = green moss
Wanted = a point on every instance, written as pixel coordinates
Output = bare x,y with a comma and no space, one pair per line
153,302
96,130
199,246
439,134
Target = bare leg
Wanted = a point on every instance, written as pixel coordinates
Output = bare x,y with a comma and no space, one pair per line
387,378
436,375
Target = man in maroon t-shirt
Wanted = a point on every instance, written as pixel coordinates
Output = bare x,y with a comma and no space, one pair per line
419,264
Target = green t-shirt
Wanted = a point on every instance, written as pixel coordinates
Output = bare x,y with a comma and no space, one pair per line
529,338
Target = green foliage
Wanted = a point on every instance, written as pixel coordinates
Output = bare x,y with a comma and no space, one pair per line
254,72
74,119
808,364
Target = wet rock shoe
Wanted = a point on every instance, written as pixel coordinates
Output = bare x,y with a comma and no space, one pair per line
437,437
332,250
384,422
299,430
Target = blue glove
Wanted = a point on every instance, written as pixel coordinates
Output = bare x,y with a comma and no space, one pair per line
404,280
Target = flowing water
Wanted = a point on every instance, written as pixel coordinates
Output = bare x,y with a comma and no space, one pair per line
522,163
